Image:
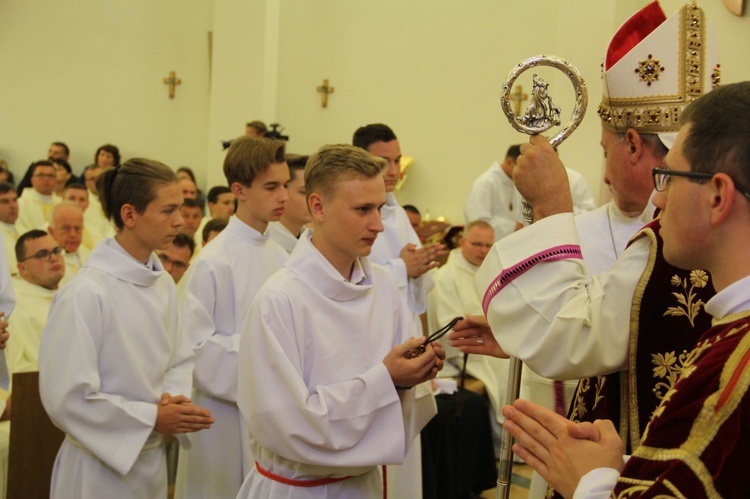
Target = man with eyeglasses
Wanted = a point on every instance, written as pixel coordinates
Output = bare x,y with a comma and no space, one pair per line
36,202
41,267
625,330
176,259
455,295
696,443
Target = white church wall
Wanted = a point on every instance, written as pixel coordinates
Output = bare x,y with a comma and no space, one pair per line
433,71
90,72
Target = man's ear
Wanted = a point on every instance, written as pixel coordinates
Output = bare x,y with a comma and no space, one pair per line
723,193
238,190
128,215
315,205
634,142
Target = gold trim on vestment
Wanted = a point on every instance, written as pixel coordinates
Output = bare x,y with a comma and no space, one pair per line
709,421
661,113
629,395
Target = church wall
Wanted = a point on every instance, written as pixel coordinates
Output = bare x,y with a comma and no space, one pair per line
90,72
433,71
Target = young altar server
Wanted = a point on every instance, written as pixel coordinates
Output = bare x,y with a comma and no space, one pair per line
220,286
114,368
324,383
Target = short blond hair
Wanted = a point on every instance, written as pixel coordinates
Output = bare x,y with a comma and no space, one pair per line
249,156
333,163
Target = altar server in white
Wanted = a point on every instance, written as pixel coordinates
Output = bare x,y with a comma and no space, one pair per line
324,383
219,286
114,367
296,216
399,250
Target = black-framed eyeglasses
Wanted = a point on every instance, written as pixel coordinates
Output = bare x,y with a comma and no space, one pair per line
44,254
662,178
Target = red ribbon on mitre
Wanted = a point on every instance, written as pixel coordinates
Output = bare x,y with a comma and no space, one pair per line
633,32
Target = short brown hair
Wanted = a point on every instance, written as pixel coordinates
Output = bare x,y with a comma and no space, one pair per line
333,163
249,156
134,182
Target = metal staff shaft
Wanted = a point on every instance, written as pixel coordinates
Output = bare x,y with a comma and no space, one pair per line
540,116
505,467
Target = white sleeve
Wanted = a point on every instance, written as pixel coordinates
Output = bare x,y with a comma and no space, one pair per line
7,304
481,206
583,200
358,421
597,484
548,315
109,425
215,351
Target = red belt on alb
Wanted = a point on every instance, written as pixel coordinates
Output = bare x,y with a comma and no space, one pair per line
297,483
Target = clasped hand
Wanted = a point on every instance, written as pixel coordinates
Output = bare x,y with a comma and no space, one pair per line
178,415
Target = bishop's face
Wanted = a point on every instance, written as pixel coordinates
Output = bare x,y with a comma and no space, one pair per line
391,152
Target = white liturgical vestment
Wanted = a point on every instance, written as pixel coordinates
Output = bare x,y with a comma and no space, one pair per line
26,324
456,295
397,233
219,287
73,263
604,233
95,222
34,210
494,199
10,236
279,233
572,328
111,347
317,399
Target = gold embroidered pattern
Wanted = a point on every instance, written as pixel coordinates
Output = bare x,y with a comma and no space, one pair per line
687,306
649,70
662,113
579,409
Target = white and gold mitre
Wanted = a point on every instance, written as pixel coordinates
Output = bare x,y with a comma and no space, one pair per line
655,67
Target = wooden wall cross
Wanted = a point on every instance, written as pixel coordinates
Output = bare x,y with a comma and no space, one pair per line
172,81
324,89
518,97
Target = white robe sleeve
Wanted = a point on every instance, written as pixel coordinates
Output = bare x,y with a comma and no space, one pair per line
215,353
356,422
482,205
7,303
583,200
110,426
548,316
597,484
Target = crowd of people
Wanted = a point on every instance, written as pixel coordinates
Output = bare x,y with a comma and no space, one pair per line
269,332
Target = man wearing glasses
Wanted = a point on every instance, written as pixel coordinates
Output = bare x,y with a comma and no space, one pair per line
627,329
696,442
176,259
36,202
41,267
